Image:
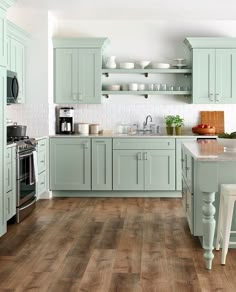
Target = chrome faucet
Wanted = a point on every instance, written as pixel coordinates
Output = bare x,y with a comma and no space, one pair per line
145,123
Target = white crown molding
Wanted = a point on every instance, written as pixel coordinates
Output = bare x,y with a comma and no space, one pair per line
5,4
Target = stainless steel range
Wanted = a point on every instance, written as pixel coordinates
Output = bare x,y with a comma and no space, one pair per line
25,176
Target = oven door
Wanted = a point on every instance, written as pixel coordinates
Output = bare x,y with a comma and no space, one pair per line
26,186
12,87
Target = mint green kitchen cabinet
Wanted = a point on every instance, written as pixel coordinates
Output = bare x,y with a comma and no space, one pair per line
101,164
159,169
77,70
77,76
150,165
16,51
2,148
42,166
3,53
213,70
10,183
17,64
70,164
128,170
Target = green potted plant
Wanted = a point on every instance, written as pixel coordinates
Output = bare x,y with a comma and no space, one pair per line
178,123
170,124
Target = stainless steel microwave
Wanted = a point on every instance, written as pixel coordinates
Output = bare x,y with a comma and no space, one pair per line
12,87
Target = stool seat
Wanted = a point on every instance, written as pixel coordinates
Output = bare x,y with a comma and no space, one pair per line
226,208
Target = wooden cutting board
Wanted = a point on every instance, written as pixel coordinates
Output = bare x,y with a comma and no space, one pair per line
214,118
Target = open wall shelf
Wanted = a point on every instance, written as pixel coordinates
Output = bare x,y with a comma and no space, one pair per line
106,72
106,93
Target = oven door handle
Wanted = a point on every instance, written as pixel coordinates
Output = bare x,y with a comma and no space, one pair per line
28,204
25,155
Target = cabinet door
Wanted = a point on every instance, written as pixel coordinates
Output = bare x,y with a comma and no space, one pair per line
8,52
70,164
8,181
128,170
66,76
203,76
101,164
188,204
17,61
41,161
2,38
159,169
225,76
2,147
89,76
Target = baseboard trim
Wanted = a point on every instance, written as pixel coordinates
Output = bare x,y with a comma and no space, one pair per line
118,194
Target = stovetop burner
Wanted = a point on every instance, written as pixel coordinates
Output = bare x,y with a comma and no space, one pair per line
16,139
23,143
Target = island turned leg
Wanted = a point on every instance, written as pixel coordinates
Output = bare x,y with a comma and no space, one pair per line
209,224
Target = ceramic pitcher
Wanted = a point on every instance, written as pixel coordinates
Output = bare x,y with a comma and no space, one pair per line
110,62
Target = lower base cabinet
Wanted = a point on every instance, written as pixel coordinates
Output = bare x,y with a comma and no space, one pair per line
151,170
101,164
42,166
10,183
70,164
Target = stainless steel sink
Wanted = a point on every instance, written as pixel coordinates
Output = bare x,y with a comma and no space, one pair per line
144,133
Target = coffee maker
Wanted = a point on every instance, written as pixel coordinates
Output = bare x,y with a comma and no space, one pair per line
66,120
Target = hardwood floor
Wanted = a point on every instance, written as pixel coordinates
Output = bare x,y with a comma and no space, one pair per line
112,244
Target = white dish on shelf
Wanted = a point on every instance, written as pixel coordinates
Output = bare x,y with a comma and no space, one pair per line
111,87
141,86
179,66
143,64
126,65
133,86
179,60
160,65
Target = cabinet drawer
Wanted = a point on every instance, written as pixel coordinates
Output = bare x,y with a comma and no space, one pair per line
41,161
10,205
9,184
41,183
8,155
143,144
42,145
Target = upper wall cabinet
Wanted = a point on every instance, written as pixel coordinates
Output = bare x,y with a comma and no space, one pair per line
77,70
3,56
214,70
16,45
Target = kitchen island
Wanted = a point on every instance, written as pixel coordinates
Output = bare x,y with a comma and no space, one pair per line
205,166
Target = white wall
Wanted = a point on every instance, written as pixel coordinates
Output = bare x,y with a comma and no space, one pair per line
130,40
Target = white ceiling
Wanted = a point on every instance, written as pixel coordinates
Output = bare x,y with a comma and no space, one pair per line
137,9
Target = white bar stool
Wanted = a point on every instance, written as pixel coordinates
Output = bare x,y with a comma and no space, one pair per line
226,209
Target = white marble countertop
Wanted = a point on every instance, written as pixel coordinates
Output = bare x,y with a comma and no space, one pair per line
11,145
116,135
209,151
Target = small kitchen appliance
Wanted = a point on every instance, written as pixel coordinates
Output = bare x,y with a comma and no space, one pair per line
66,120
12,87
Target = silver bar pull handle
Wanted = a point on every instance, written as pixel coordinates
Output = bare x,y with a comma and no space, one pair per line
211,97
139,156
217,97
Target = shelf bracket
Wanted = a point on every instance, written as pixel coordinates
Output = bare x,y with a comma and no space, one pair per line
146,74
106,74
146,96
106,95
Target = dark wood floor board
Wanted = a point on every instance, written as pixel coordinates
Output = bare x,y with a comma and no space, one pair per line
109,244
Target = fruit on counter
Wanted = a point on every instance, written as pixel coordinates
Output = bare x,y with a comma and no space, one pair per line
204,126
227,135
204,129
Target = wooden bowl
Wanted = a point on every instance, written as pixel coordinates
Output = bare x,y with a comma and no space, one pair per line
204,131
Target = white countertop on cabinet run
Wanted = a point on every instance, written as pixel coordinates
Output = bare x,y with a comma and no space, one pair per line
116,135
209,151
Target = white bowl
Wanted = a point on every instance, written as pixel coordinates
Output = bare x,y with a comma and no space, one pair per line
112,87
141,86
160,65
143,64
229,144
126,65
133,86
